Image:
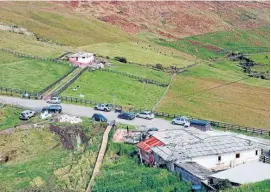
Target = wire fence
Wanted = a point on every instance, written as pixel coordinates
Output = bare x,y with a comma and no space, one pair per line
18,92
66,85
171,116
33,57
143,80
56,82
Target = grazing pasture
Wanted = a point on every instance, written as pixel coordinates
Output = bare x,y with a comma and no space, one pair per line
100,86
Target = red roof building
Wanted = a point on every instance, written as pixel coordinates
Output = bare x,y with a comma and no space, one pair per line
145,149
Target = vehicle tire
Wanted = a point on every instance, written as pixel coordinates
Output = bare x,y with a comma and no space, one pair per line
173,122
95,108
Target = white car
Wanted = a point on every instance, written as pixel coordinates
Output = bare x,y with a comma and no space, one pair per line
145,115
27,114
103,107
45,115
181,121
54,100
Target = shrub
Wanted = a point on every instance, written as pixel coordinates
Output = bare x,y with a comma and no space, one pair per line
121,59
107,57
159,66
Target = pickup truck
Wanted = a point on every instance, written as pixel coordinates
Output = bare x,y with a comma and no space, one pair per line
103,107
27,114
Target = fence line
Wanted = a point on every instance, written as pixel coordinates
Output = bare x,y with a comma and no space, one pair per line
60,90
144,80
12,91
168,115
57,81
32,57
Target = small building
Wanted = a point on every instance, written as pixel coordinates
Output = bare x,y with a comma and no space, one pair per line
194,173
201,124
213,152
251,172
145,150
82,59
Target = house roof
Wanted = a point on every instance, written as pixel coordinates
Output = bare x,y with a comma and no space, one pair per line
149,143
213,145
82,54
180,136
195,169
246,173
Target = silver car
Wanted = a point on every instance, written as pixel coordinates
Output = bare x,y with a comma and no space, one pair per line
54,100
145,115
27,114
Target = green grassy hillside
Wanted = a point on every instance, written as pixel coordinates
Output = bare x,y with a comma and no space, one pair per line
209,45
31,75
124,174
100,87
263,186
30,46
51,21
244,103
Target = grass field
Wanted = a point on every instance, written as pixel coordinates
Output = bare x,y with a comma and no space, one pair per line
51,21
208,45
125,174
100,86
31,75
29,45
141,71
263,186
261,58
9,117
37,160
226,71
146,55
236,103
7,58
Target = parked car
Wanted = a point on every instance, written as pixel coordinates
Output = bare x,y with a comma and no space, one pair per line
54,100
45,115
145,115
99,117
27,114
126,115
52,109
118,109
103,107
181,121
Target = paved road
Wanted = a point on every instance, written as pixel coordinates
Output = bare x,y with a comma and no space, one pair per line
83,111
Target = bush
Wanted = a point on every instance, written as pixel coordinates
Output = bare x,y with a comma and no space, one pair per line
159,66
121,59
107,57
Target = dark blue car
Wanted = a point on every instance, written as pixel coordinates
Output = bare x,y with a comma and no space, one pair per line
99,117
127,116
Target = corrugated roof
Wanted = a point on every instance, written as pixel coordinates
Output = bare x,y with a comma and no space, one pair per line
246,173
196,169
82,54
149,143
213,145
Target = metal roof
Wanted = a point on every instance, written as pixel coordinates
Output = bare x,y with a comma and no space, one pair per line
149,143
196,169
199,122
82,54
246,173
213,145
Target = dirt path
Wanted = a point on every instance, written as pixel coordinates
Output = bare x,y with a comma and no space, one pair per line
48,93
165,93
100,158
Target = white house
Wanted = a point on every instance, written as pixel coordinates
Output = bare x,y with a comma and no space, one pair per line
82,59
212,152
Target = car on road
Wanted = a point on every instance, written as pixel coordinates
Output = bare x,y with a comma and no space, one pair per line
184,121
27,114
126,115
103,107
99,117
145,115
54,100
52,109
